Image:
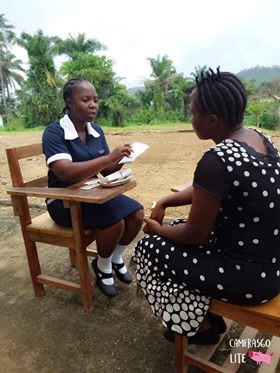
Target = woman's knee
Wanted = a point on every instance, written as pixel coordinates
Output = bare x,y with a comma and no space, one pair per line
119,227
115,230
136,218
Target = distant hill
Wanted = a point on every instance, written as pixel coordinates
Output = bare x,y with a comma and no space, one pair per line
136,89
260,73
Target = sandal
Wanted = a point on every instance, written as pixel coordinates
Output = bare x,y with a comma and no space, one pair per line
108,290
123,277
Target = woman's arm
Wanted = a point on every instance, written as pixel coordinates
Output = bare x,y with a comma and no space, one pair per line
109,170
197,229
184,197
73,172
115,167
181,198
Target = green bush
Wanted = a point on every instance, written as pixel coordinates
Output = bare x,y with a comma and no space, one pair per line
142,116
13,123
262,114
249,120
269,120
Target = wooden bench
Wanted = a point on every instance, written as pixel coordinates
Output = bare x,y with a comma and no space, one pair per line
43,229
265,317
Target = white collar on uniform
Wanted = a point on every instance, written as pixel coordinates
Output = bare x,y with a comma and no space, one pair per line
70,132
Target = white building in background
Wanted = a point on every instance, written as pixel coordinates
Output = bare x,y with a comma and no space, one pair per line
1,121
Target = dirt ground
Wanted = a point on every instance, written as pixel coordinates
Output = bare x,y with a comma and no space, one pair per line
170,160
53,333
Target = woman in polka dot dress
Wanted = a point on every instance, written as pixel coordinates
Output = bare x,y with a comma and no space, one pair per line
229,246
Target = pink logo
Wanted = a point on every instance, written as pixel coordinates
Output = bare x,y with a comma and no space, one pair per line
259,357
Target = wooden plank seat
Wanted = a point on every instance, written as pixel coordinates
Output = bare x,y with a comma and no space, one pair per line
264,317
43,229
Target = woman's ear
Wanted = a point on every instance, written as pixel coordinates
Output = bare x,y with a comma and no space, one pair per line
213,120
68,101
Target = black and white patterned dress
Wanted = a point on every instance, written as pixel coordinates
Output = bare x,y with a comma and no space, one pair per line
240,262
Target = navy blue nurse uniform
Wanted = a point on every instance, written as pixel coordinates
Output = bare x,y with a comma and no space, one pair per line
61,141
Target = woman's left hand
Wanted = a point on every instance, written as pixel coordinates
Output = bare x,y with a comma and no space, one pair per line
152,226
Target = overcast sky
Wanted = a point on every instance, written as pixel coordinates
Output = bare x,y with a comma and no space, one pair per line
234,34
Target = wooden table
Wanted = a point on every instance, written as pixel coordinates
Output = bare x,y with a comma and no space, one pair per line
43,229
73,193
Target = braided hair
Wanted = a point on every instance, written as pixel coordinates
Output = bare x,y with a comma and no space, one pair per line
68,90
222,94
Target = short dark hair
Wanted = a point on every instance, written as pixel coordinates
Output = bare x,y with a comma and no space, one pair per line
222,94
68,90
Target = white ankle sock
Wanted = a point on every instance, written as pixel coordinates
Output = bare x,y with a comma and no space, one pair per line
105,265
117,256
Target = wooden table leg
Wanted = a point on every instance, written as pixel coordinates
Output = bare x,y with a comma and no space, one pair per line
81,255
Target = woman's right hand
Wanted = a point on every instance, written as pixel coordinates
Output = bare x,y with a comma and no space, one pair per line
119,152
158,213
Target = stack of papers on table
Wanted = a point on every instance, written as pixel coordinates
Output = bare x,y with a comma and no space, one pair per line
90,184
119,175
114,177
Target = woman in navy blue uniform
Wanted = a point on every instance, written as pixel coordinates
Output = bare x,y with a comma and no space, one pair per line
76,149
229,247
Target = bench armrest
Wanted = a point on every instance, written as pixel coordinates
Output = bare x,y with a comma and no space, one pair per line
95,195
45,192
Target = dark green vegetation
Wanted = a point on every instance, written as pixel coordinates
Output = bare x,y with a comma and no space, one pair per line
31,98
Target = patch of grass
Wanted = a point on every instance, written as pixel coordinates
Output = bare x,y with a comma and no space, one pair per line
11,130
20,130
265,130
148,127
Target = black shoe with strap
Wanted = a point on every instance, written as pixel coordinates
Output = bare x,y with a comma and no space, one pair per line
123,277
217,321
108,290
205,337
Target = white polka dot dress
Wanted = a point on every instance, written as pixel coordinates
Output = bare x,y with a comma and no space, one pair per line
240,263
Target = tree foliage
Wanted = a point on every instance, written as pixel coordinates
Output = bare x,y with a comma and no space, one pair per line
39,97
198,71
7,35
72,46
10,66
164,97
165,94
115,102
98,70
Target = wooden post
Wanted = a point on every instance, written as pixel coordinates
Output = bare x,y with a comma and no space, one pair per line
72,255
180,348
21,206
81,255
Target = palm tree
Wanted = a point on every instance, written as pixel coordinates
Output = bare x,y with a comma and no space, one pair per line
198,71
71,46
41,51
162,69
6,34
8,65
9,73
164,74
39,98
